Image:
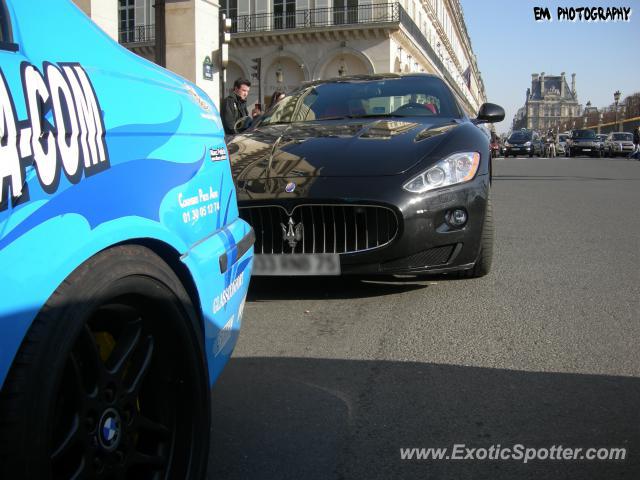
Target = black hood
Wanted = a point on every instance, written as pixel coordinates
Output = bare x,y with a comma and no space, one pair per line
348,148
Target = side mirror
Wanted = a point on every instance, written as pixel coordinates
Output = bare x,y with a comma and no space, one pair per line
490,113
242,124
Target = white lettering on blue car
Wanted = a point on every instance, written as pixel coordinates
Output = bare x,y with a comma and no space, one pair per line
74,143
227,294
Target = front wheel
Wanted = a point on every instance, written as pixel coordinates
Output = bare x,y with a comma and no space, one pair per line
111,379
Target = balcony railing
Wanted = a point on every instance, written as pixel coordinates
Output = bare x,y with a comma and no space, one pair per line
375,14
139,34
317,17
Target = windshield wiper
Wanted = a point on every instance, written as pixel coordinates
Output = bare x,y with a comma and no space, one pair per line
377,115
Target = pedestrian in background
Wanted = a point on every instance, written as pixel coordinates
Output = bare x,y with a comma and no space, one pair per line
551,144
257,111
275,98
234,107
636,144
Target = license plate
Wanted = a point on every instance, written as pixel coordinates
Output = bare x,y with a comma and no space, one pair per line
297,264
586,149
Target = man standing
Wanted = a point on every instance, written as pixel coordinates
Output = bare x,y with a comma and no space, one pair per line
234,107
636,144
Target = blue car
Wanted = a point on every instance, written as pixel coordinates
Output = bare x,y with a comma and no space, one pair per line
124,266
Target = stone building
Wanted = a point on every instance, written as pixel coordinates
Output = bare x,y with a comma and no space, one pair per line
278,44
181,35
550,102
297,40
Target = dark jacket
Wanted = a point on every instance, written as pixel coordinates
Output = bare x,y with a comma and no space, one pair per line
636,136
233,109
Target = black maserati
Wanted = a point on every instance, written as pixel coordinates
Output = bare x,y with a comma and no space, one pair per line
377,174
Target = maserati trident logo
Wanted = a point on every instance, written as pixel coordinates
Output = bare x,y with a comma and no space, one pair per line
292,233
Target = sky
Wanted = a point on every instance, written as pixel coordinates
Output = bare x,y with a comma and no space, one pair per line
510,45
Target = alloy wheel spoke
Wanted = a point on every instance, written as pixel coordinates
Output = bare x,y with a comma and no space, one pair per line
88,356
154,462
151,426
69,439
125,348
140,365
81,471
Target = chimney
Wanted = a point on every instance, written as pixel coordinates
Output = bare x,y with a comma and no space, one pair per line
542,84
562,85
573,84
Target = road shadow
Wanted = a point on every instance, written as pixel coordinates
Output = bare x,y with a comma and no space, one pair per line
319,288
298,418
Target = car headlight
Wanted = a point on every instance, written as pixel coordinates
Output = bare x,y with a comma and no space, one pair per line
527,144
456,168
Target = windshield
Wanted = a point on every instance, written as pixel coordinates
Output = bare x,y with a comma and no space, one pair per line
562,138
354,98
520,137
623,136
584,134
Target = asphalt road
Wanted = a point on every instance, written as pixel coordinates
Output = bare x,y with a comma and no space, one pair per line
331,378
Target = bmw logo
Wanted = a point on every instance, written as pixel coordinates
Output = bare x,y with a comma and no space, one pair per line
291,186
109,429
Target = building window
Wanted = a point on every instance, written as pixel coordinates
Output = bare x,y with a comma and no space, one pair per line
284,13
345,11
126,18
229,8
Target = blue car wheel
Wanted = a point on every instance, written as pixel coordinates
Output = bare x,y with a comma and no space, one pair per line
111,379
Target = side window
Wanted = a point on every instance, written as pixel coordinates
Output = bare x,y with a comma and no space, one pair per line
6,37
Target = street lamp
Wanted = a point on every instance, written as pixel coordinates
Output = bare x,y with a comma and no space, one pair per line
616,99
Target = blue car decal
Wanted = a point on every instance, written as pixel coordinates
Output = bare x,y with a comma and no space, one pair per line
99,147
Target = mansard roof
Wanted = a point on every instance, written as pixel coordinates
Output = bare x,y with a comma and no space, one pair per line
551,89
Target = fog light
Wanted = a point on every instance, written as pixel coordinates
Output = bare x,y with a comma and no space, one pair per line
457,218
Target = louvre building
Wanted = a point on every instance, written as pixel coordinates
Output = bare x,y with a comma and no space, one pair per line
549,102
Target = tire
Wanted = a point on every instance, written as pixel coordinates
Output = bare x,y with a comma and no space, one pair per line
485,257
110,380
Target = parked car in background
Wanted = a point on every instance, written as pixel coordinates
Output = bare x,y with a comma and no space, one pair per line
370,174
124,265
561,143
523,142
583,142
618,143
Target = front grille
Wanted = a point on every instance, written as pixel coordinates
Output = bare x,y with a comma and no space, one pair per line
325,228
425,258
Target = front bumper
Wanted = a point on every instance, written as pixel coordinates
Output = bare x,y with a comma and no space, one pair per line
424,242
514,149
623,148
221,267
584,149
